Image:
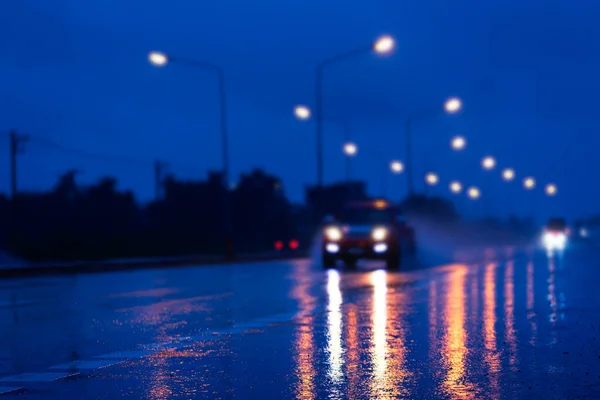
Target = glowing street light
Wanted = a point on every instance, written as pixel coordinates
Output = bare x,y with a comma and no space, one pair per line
384,44
529,183
551,189
396,167
455,187
453,105
302,112
158,59
508,174
458,143
488,162
474,193
432,179
350,149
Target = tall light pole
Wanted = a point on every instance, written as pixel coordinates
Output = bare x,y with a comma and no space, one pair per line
451,106
383,45
350,150
508,175
159,59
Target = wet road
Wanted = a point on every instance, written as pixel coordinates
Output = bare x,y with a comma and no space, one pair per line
527,327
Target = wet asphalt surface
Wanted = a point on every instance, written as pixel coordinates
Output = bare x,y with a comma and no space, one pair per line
522,326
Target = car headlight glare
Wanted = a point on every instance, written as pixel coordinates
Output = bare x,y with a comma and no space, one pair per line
379,233
333,233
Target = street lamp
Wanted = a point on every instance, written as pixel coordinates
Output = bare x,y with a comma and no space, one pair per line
529,183
508,174
302,112
474,193
488,163
432,179
451,106
458,143
455,187
396,167
159,59
350,149
382,45
551,189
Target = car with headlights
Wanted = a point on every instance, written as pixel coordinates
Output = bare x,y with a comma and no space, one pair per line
555,234
372,230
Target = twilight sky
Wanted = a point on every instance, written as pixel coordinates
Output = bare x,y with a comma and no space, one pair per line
76,73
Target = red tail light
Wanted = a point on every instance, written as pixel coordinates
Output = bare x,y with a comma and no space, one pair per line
279,245
294,244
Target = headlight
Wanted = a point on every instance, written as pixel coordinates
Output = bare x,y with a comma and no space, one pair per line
379,233
333,233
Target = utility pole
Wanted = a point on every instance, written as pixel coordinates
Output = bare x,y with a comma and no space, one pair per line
17,142
159,169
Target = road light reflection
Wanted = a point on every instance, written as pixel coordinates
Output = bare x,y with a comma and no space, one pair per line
454,342
378,280
353,349
509,312
305,347
489,329
334,326
388,352
433,317
552,296
531,316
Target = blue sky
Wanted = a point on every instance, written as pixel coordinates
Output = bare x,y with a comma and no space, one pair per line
75,72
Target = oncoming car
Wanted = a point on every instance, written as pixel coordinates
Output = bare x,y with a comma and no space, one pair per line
371,230
555,234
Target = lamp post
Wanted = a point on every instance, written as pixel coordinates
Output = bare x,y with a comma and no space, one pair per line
383,45
451,106
508,175
159,59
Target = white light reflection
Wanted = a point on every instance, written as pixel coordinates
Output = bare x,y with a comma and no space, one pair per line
378,280
509,312
334,326
531,303
552,297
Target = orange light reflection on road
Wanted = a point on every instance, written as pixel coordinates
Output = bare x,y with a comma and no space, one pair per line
454,341
489,329
304,344
509,312
353,349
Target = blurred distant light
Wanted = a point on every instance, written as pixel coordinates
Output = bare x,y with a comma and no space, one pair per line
458,143
396,167
384,44
158,59
302,112
432,179
350,149
455,187
551,189
474,193
453,105
508,174
488,162
529,183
